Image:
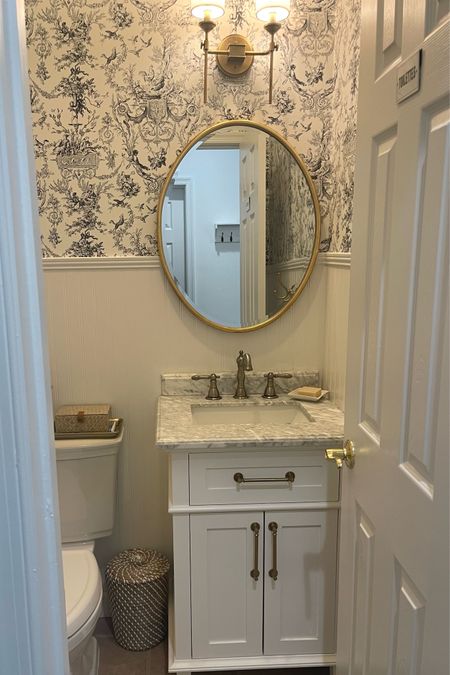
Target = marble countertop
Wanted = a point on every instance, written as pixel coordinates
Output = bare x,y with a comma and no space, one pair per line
317,424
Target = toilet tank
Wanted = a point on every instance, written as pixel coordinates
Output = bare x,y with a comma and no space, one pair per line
87,487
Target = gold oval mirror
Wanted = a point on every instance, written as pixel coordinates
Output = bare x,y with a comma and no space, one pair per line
238,226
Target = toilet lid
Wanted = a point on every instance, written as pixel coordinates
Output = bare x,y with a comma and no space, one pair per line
82,586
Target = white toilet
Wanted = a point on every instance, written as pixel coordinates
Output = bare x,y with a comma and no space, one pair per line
87,478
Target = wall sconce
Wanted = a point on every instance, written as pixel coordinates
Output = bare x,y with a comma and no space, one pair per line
235,54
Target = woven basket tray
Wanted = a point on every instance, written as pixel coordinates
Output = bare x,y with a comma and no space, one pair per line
82,418
137,583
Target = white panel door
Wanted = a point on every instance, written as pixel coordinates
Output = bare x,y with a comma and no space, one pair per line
252,179
300,597
394,548
174,233
227,600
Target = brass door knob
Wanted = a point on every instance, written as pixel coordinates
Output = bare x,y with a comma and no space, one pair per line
340,456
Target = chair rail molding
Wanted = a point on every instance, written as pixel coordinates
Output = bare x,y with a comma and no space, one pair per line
138,262
106,263
335,259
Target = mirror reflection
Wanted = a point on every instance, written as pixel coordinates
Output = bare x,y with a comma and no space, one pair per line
239,226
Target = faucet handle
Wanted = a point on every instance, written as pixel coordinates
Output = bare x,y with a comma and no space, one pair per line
269,391
213,392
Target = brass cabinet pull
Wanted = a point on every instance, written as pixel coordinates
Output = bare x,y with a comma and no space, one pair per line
289,477
254,573
273,573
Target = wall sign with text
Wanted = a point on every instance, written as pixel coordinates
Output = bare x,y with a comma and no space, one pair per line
408,77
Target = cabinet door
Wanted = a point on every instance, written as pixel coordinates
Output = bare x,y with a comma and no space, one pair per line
300,598
227,600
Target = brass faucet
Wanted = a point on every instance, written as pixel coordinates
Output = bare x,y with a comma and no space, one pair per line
244,362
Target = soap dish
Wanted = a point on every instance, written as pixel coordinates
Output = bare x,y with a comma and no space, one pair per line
114,430
301,397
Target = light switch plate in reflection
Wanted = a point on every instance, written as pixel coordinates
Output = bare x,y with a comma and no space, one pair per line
227,234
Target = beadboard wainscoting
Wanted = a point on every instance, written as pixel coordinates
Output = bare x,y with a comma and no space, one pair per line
336,279
115,325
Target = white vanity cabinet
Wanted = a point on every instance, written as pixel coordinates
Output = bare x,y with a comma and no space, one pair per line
255,549
234,614
299,606
227,603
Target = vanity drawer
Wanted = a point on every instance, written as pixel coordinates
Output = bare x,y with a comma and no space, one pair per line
213,479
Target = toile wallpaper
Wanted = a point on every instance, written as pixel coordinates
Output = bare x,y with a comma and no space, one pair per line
116,92
346,49
290,217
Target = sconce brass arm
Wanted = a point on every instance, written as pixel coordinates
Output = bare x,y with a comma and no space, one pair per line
289,292
207,27
237,53
226,52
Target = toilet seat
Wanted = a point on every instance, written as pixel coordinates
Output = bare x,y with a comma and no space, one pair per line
85,632
83,590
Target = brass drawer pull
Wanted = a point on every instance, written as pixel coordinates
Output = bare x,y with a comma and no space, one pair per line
273,573
289,477
254,573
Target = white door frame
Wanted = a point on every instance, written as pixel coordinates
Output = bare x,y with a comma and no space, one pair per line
188,184
33,619
253,239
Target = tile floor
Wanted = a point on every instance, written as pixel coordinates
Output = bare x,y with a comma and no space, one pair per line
117,661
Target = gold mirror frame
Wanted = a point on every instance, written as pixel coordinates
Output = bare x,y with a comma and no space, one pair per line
315,251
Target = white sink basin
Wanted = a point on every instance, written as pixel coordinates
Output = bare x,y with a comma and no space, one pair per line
247,414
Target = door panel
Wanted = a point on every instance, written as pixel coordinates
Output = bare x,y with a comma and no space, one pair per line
226,601
436,10
383,162
418,446
388,34
174,233
407,621
299,606
394,547
363,566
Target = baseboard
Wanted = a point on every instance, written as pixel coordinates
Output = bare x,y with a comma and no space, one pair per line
250,663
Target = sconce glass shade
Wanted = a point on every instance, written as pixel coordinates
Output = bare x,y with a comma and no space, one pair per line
272,10
204,9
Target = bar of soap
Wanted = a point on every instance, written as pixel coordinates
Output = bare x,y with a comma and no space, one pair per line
313,392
